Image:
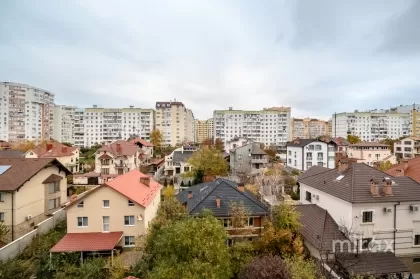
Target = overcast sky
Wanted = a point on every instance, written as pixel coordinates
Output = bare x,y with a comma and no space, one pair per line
315,56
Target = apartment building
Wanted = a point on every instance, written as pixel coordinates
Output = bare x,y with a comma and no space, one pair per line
79,127
371,126
407,148
271,126
203,130
309,128
302,154
175,122
370,153
415,123
64,120
106,125
27,112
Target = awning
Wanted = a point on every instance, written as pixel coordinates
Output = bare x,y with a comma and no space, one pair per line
371,263
85,242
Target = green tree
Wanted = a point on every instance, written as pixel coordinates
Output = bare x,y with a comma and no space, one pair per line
384,166
219,145
266,267
189,183
182,183
4,231
353,139
289,180
210,160
168,192
301,268
198,176
241,253
390,142
156,139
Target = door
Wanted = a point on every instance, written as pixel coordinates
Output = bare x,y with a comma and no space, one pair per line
105,223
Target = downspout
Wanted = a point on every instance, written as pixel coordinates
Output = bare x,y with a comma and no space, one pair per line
303,154
13,215
395,222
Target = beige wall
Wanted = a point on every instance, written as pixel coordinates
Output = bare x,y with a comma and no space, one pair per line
132,162
368,156
66,161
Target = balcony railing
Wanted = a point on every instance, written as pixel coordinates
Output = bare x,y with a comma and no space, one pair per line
320,158
119,165
309,158
259,161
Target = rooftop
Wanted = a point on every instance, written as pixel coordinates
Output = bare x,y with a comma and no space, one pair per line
120,148
299,142
86,242
141,142
412,169
52,150
369,144
10,153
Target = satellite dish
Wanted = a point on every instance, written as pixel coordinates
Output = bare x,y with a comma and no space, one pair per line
140,217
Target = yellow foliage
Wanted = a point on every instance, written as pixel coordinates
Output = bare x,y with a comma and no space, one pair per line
169,192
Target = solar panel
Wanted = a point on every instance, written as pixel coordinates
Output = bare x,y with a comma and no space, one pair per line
4,168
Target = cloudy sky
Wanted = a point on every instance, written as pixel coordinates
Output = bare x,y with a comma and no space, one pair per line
316,56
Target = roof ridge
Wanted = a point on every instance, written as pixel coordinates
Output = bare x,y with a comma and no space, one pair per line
352,182
323,227
326,170
204,196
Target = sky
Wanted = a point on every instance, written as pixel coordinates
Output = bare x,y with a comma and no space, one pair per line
319,57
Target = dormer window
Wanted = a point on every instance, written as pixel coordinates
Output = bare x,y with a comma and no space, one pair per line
80,204
130,203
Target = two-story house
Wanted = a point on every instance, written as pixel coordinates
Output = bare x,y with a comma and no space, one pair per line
111,215
146,149
371,153
176,163
302,154
372,206
407,148
30,190
236,142
249,158
218,196
117,158
67,155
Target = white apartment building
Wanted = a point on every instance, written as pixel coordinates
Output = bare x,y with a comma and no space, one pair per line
309,128
407,148
302,154
270,126
26,112
79,127
106,125
371,126
203,130
175,122
64,120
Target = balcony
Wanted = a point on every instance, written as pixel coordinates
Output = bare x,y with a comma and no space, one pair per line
308,158
259,161
119,165
320,158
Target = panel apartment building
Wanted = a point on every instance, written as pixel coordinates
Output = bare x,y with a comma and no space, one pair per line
203,130
26,112
175,121
106,125
309,128
271,126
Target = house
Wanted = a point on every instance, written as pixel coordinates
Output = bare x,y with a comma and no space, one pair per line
11,153
146,148
370,153
236,142
117,158
67,155
154,168
249,158
410,168
325,240
370,204
218,196
111,215
176,162
30,190
302,154
407,148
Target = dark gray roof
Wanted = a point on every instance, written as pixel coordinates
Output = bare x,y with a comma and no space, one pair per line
318,227
204,197
312,171
354,187
299,143
180,156
256,150
366,263
9,153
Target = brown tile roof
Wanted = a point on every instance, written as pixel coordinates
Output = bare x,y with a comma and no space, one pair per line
369,144
84,242
52,150
120,148
354,187
5,145
318,227
23,169
312,171
52,178
10,153
104,156
412,171
141,141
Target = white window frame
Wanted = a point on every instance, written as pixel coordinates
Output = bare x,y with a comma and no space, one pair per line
103,203
130,203
81,204
373,217
132,243
2,216
83,218
103,224
129,219
2,197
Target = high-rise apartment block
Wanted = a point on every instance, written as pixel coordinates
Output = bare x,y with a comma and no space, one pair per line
415,122
64,120
79,127
309,128
271,126
175,122
26,112
371,126
106,125
203,130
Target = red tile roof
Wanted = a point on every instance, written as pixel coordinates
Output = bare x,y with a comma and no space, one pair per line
5,145
120,147
130,186
412,171
53,150
142,141
104,156
84,242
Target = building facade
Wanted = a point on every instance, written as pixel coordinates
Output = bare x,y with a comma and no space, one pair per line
309,128
79,127
302,154
203,130
27,113
117,158
271,126
64,121
176,163
407,148
415,123
175,122
370,153
248,159
371,126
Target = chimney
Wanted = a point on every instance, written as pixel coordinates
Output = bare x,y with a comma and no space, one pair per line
400,172
374,187
405,164
64,149
190,194
387,187
241,187
49,146
145,180
343,165
118,148
218,202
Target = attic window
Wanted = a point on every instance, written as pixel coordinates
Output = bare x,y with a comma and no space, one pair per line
339,177
4,168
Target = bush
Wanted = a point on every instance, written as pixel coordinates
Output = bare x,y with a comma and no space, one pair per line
295,172
294,196
182,183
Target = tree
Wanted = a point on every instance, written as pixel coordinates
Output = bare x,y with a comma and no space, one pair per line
301,268
24,146
219,145
169,192
353,139
210,161
390,142
182,183
198,176
266,267
165,182
384,166
239,218
189,183
271,153
4,231
289,181
117,269
241,253
156,139
253,189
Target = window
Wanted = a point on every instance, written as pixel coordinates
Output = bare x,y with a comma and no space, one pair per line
367,217
318,147
129,220
1,216
290,153
366,243
130,203
128,241
2,197
105,223
82,222
54,187
308,165
320,164
227,223
80,204
290,161
105,203
53,203
416,260
105,171
308,196
250,222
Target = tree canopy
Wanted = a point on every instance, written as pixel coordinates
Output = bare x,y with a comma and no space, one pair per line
156,138
384,166
218,143
266,267
210,160
353,139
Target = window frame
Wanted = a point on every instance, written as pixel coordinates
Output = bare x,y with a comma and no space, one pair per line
2,197
130,243
103,204
306,196
372,215
103,224
56,201
83,219
2,216
362,246
130,203
56,187
80,204
129,219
